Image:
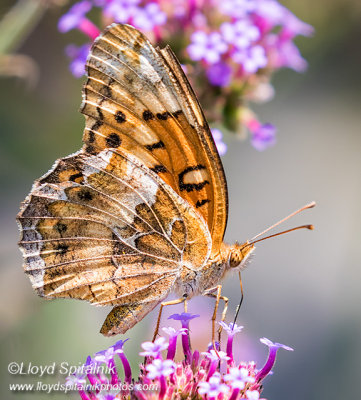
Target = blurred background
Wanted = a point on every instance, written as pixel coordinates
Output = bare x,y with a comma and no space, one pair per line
301,289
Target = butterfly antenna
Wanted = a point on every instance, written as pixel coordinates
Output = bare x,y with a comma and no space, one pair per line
311,227
241,301
306,207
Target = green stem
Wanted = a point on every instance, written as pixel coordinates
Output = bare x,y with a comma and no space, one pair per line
18,22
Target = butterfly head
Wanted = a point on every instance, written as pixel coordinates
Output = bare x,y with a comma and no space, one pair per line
239,254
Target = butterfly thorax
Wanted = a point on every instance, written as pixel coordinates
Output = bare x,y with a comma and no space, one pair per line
195,282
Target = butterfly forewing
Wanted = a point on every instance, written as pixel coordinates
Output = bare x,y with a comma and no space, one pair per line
138,99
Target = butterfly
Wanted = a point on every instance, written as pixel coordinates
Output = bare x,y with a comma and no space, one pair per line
141,210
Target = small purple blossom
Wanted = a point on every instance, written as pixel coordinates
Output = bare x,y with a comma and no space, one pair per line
251,59
237,8
238,377
263,136
105,356
252,394
218,140
149,17
216,356
153,349
173,334
219,74
273,348
207,47
231,330
184,318
118,349
74,16
75,380
121,11
160,368
78,56
213,387
241,33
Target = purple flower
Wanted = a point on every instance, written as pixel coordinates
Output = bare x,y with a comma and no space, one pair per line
105,356
120,10
173,334
160,368
185,318
213,387
200,379
79,56
252,394
218,140
231,330
251,59
263,136
207,47
240,33
238,377
118,349
149,17
285,54
275,14
153,349
216,356
75,380
74,16
273,348
219,74
237,8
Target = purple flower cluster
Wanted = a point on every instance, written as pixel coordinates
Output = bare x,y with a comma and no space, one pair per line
212,374
236,44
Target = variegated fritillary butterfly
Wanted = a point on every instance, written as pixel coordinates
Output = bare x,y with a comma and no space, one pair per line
141,209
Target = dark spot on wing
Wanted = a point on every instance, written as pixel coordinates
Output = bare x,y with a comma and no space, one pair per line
159,168
100,113
147,115
73,177
200,203
60,227
157,145
177,113
113,140
191,186
163,116
84,194
62,248
90,149
120,117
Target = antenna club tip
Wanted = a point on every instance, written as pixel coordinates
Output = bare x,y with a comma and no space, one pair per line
311,227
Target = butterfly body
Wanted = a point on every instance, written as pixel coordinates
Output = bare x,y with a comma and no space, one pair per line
140,211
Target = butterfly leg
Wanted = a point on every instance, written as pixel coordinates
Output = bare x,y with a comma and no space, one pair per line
218,297
166,303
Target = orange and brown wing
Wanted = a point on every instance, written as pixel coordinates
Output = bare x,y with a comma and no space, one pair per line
106,229
138,99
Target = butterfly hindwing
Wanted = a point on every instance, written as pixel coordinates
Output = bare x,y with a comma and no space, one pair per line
138,99
106,229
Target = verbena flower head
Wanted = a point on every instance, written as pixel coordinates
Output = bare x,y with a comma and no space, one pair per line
232,47
209,375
